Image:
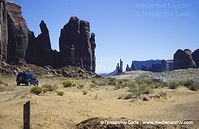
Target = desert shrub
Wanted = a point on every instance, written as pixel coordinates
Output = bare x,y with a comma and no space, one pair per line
44,90
123,82
5,87
147,81
92,85
112,81
94,82
140,88
36,90
100,82
188,83
163,94
119,86
80,86
49,87
173,85
60,93
84,92
145,90
68,83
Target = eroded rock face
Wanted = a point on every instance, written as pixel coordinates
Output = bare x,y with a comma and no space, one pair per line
93,46
195,56
77,48
17,34
3,31
69,42
39,48
85,47
19,45
183,59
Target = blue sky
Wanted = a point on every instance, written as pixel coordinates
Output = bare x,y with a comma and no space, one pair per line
127,29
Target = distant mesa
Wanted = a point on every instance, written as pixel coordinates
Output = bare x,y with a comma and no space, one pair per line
18,45
183,59
151,65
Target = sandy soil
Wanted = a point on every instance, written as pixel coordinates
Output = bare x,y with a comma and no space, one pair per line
60,112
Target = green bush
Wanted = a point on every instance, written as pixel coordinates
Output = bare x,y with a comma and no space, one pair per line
36,90
140,88
48,87
68,83
44,90
61,93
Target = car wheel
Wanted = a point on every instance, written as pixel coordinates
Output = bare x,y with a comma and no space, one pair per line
37,83
27,83
18,83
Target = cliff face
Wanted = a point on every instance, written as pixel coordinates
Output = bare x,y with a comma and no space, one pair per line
3,31
17,34
18,45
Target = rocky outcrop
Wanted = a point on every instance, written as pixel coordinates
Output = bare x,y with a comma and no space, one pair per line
93,46
18,45
3,31
128,68
17,34
77,48
69,42
195,56
39,48
85,48
183,59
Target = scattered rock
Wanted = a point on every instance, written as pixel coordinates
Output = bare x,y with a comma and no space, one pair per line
145,98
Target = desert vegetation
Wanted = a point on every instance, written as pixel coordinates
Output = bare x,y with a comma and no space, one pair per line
68,83
100,96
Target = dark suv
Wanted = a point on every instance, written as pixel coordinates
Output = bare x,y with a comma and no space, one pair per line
26,78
